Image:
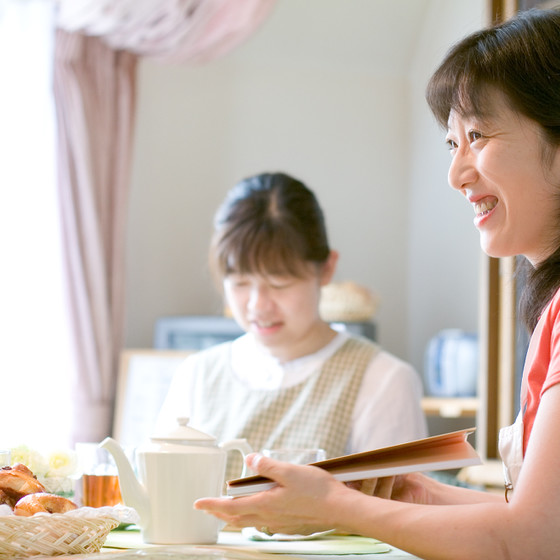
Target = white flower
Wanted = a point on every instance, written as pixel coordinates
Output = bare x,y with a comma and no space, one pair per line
32,459
61,463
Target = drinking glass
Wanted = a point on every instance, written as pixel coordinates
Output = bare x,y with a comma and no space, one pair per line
99,477
298,455
5,458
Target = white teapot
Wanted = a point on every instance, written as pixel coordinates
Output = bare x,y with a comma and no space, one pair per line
175,469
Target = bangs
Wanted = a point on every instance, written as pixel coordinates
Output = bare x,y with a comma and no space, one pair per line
269,224
466,94
463,81
266,250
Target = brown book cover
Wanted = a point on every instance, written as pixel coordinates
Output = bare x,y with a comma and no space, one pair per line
445,451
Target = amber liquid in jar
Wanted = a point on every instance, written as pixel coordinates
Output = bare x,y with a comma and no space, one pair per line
101,490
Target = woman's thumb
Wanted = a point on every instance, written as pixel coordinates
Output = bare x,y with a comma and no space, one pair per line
253,461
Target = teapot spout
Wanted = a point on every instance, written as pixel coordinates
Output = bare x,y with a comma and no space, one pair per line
133,493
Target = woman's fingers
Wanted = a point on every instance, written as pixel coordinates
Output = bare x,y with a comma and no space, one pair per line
368,486
244,505
288,475
379,487
384,487
290,506
265,466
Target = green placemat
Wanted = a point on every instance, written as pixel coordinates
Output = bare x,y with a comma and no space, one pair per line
327,545
125,538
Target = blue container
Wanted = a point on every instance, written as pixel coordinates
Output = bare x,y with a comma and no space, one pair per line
451,364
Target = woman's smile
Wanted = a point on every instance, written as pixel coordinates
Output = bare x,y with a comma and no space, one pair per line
483,210
264,328
484,206
500,170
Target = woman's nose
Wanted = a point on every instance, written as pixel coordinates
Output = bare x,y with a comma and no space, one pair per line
258,298
462,171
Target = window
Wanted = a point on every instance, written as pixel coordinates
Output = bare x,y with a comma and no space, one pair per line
35,359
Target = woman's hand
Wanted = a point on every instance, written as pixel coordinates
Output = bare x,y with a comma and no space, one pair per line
308,499
304,500
404,488
380,487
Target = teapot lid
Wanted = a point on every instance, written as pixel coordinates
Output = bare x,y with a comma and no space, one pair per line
183,433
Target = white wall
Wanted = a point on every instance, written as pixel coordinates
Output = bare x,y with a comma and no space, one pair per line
443,250
332,92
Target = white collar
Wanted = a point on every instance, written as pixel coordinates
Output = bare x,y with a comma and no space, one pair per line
256,368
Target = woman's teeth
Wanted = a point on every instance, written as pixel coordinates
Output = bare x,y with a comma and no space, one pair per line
484,207
264,325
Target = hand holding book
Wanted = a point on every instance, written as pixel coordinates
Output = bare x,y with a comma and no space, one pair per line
446,451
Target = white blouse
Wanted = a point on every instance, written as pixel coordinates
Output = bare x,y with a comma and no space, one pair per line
387,410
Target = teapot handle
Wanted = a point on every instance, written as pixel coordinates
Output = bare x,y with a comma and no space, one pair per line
241,445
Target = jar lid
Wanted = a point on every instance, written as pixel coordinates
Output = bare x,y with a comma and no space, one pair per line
183,433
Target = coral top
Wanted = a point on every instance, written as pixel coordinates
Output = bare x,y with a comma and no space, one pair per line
542,364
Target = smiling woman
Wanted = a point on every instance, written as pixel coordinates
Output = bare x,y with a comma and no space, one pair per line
35,360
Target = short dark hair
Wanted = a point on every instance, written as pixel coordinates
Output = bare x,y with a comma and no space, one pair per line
519,58
269,223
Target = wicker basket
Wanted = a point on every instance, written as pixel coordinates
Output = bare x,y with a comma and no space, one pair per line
347,301
52,534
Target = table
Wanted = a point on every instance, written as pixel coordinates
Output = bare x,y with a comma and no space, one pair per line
236,540
237,544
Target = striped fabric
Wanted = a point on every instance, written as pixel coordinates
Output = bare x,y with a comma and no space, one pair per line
314,413
95,98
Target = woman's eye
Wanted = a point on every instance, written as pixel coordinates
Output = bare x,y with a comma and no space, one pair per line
279,286
451,144
237,282
280,283
474,135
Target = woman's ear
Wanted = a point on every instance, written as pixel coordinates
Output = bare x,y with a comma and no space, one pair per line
329,268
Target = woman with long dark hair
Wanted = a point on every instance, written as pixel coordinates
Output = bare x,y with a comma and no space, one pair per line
497,93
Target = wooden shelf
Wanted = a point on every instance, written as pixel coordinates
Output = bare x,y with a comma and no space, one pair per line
447,407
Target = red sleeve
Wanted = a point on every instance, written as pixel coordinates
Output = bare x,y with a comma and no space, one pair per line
553,373
542,364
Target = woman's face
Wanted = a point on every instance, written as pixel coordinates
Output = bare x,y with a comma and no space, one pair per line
280,311
498,165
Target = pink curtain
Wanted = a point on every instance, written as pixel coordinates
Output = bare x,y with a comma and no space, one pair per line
97,45
95,100
168,30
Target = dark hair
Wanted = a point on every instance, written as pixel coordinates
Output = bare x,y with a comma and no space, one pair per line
521,59
268,224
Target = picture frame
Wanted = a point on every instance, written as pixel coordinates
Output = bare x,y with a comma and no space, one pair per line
143,381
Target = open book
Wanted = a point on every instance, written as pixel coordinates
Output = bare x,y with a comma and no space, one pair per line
446,451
